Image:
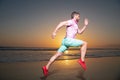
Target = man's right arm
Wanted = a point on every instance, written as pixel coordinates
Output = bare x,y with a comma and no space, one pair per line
61,24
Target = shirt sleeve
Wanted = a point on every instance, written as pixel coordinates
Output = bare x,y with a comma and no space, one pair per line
69,23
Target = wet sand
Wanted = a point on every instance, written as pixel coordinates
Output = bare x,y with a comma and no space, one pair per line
105,68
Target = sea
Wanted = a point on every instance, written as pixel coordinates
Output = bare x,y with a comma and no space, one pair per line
29,54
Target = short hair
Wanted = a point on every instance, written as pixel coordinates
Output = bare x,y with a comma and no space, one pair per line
74,13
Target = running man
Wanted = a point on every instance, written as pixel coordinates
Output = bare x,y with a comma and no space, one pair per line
69,40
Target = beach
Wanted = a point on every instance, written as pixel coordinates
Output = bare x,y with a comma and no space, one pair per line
104,68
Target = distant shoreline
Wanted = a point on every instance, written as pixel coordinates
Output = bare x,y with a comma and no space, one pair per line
50,49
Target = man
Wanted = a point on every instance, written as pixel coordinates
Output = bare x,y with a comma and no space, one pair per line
69,40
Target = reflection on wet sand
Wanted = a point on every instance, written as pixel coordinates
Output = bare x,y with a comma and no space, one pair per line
97,69
106,68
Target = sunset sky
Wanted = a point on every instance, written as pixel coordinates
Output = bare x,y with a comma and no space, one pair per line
30,23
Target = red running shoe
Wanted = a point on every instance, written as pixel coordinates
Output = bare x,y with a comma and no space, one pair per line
45,71
82,63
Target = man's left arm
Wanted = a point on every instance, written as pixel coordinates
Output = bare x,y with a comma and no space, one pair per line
85,25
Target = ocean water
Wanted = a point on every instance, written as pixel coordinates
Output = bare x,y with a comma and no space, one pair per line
37,54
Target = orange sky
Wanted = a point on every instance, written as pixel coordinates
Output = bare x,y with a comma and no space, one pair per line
30,24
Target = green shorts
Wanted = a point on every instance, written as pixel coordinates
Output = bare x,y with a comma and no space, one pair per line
69,42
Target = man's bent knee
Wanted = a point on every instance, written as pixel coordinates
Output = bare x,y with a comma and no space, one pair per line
84,43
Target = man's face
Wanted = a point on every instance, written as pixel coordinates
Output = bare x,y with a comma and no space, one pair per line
77,17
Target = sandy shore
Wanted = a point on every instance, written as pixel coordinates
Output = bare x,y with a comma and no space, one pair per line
107,68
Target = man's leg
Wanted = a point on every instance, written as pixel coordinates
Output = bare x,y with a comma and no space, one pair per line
83,44
83,51
52,59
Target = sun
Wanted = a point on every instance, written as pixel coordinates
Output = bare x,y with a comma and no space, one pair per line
66,52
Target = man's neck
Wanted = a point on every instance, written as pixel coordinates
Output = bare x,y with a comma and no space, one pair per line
75,20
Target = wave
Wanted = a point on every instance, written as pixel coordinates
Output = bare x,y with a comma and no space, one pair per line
31,56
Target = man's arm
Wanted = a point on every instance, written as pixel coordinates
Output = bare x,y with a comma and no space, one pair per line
61,24
85,25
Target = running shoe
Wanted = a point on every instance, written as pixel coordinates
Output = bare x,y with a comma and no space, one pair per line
82,63
45,70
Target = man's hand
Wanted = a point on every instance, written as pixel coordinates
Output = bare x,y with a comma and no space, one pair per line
53,35
86,22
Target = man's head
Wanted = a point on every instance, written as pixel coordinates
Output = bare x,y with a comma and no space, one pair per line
75,15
